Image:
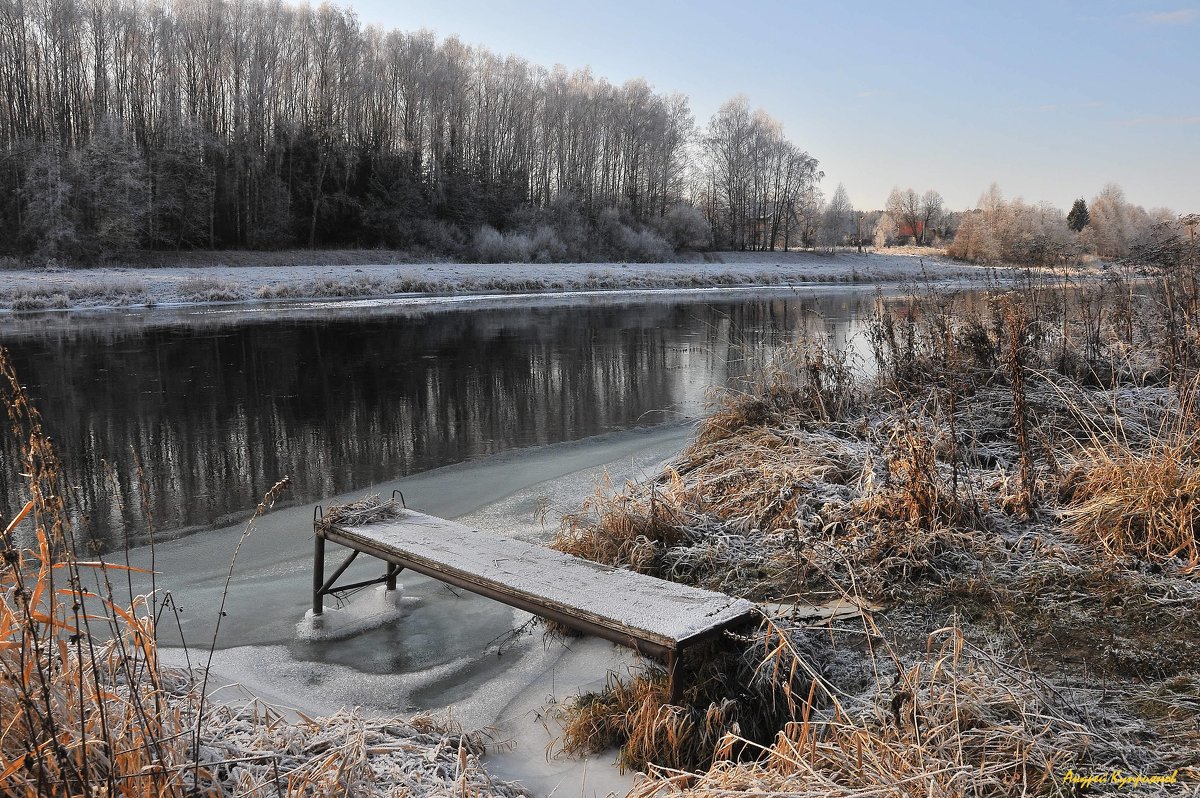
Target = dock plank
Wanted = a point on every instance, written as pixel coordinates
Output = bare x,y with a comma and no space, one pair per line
664,614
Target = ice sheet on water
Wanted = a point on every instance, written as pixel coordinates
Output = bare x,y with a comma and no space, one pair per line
375,608
442,651
274,674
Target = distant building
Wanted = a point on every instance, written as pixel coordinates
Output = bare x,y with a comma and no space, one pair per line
904,230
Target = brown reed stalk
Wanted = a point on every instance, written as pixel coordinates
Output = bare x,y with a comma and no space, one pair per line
1017,320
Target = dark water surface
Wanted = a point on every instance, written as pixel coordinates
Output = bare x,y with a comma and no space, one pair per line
198,413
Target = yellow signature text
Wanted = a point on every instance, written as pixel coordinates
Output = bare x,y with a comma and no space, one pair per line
1119,779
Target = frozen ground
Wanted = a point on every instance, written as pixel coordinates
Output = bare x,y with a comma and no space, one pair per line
445,650
57,288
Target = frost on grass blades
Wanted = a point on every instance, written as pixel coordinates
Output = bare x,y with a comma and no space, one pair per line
1010,501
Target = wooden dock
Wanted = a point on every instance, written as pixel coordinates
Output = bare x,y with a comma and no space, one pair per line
650,615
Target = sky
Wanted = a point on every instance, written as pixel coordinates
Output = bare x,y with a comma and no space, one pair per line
1051,100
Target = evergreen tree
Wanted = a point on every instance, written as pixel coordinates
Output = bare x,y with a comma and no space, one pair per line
181,189
1078,217
115,186
51,219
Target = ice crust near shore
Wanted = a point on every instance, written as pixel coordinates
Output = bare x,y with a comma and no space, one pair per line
437,651
378,607
58,288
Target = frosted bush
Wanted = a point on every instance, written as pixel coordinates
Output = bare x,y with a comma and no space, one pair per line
644,245
617,239
489,245
546,246
685,227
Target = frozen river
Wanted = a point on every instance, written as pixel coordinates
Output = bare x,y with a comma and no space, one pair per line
502,413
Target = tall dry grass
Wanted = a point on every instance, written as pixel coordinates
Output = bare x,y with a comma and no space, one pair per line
87,708
1005,454
955,722
1139,503
82,693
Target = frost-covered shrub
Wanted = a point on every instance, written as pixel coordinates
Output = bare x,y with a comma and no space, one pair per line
561,233
684,227
545,246
440,237
489,245
1013,232
558,233
644,245
974,241
618,240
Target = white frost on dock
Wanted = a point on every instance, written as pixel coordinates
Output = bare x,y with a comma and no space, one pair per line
625,601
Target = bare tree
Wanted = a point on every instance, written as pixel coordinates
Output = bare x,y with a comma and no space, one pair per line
252,123
754,177
905,208
931,213
838,222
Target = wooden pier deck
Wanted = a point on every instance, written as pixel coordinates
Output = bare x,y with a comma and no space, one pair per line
650,615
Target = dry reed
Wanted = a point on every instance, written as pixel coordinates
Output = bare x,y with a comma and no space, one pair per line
1028,460
954,722
1139,503
81,689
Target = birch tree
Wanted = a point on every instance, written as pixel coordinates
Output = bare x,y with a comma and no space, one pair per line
256,123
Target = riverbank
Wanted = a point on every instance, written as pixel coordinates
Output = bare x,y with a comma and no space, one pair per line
1007,509
62,289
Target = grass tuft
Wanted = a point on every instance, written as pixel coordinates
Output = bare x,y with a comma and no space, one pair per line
1139,504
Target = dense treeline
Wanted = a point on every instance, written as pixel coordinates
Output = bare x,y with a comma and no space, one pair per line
257,124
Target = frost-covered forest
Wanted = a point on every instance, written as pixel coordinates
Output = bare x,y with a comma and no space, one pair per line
254,124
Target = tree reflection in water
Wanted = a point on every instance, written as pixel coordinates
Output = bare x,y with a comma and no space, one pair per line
217,411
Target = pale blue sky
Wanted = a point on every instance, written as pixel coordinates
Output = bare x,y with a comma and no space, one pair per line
1051,100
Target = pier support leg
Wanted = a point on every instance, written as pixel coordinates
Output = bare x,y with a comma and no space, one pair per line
318,574
392,595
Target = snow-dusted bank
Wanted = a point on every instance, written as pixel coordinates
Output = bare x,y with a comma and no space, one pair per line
56,288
